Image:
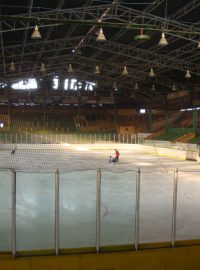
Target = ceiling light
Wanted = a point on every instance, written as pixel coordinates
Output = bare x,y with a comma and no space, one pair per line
70,69
152,73
12,67
188,75
125,71
36,34
153,87
136,86
101,36
142,37
97,70
42,68
174,87
163,41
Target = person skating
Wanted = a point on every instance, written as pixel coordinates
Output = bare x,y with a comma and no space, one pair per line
117,155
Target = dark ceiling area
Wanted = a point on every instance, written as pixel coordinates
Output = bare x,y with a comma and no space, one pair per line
132,28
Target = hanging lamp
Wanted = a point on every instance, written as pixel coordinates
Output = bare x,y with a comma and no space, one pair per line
163,41
101,37
70,69
152,73
97,70
36,33
42,68
187,75
12,67
125,71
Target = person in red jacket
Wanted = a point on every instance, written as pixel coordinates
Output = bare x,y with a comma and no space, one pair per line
117,155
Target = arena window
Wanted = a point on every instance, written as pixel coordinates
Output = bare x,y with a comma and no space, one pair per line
55,83
73,84
25,84
142,111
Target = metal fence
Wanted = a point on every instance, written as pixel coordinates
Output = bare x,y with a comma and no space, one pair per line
39,138
95,209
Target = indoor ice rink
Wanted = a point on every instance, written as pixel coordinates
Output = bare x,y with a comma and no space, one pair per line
65,212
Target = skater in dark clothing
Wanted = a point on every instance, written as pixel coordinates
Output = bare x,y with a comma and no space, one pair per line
13,152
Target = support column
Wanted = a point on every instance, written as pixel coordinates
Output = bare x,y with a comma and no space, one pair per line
13,213
166,121
57,207
149,120
44,115
9,115
98,209
115,114
166,115
194,119
137,210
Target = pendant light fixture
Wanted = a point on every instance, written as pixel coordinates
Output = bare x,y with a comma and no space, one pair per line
12,67
42,68
36,33
152,73
188,75
97,70
101,37
125,71
163,41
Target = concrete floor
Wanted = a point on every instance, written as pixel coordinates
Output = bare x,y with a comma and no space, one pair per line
36,198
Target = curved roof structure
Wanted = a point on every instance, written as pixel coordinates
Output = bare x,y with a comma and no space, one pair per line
132,29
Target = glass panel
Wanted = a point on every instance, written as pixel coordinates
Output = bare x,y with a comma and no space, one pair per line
78,209
35,210
118,208
188,207
5,210
156,203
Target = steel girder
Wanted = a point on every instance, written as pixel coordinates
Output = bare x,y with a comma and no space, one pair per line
2,48
30,5
109,72
191,5
125,15
128,52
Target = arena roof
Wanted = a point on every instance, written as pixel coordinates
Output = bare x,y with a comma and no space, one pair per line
69,30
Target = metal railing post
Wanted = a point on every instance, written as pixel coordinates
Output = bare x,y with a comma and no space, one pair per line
137,210
98,210
175,189
13,213
57,211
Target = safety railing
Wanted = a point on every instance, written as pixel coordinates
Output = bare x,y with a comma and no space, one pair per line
96,209
57,138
